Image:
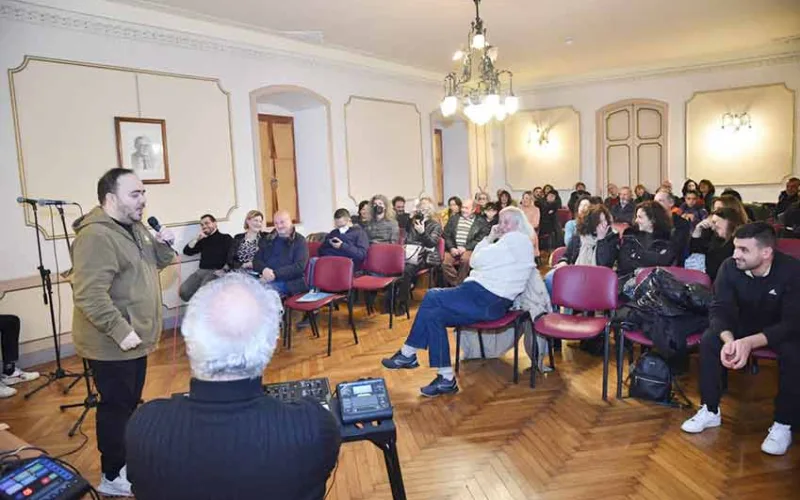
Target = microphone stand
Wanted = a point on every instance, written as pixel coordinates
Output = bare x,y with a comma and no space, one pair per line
47,296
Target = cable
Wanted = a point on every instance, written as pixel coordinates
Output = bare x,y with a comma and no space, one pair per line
58,274
80,446
333,479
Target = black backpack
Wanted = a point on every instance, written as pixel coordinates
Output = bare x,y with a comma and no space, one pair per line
651,379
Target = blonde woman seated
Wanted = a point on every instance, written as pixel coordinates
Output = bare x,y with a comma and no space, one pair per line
245,245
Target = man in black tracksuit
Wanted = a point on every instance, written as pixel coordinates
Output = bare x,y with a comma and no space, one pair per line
756,304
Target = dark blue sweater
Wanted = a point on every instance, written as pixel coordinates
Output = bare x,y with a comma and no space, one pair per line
355,243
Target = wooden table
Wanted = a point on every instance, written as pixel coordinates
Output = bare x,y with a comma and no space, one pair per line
9,442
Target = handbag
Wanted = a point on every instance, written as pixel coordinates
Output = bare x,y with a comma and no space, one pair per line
413,253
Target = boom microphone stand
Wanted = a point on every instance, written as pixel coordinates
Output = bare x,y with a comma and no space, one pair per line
47,296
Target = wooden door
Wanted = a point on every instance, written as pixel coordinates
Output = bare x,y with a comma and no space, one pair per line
438,167
278,166
632,144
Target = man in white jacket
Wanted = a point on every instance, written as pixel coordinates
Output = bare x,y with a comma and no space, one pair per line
501,265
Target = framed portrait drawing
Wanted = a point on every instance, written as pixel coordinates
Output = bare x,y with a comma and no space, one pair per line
142,147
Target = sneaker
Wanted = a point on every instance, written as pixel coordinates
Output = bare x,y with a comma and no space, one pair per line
398,361
702,420
18,376
6,391
119,487
778,439
440,385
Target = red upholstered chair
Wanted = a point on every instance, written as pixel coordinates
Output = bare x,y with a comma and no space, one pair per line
515,318
789,246
562,216
556,255
313,248
756,355
333,275
580,288
388,261
687,276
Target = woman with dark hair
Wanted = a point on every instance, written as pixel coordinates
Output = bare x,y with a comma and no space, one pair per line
549,230
751,215
504,199
641,194
362,217
689,185
707,191
730,201
454,205
581,205
647,243
713,237
547,189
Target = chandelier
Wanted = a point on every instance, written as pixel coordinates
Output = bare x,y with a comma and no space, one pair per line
477,85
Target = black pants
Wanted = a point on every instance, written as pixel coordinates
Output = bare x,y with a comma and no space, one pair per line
9,338
787,402
120,385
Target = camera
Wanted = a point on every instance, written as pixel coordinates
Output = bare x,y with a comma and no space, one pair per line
417,217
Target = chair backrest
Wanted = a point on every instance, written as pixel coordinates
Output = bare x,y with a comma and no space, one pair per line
789,246
563,215
556,255
333,274
313,248
687,276
440,247
585,288
387,259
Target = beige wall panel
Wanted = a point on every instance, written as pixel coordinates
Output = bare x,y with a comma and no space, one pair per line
35,315
557,162
65,118
199,147
763,154
618,125
619,164
384,148
649,166
648,122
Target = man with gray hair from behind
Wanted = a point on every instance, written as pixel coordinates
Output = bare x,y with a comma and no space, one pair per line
226,438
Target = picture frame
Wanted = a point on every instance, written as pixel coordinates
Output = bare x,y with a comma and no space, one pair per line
142,147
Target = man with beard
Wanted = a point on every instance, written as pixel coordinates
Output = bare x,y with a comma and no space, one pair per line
117,309
756,297
213,247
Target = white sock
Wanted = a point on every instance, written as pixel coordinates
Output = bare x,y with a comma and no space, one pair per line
447,373
408,351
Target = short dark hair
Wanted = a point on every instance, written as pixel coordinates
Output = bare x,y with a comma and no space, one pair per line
732,192
108,182
596,200
580,183
691,191
208,216
398,198
362,204
762,232
341,212
589,220
492,205
455,199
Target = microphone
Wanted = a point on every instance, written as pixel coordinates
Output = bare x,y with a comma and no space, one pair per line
45,201
20,199
157,228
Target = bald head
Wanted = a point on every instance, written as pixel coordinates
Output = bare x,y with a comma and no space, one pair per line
283,223
665,200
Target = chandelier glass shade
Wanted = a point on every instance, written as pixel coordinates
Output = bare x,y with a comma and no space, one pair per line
483,91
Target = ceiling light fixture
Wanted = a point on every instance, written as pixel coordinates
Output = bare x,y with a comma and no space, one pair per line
485,92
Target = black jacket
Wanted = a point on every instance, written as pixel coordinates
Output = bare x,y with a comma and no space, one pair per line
784,202
746,305
624,214
428,240
233,261
714,248
607,250
289,264
354,245
681,233
479,230
640,249
228,440
213,250
548,218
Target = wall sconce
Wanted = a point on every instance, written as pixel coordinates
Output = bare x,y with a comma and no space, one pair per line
541,136
735,121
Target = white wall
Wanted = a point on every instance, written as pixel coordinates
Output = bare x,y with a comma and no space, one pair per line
455,160
311,147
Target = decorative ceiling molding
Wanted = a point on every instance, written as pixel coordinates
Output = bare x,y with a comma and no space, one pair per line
290,50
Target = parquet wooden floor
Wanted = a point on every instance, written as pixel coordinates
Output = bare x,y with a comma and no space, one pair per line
493,440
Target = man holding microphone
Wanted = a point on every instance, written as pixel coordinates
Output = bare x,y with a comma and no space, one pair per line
117,314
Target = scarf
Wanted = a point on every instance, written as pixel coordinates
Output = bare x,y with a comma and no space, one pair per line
587,255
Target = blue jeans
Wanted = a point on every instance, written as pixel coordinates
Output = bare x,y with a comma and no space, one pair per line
443,307
280,287
548,281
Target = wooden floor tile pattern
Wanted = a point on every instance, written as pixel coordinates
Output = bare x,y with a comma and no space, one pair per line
493,440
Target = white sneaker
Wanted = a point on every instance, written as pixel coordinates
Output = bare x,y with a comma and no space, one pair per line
18,376
702,420
119,487
778,439
6,391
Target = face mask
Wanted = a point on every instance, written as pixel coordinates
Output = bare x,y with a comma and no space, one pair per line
343,230
378,209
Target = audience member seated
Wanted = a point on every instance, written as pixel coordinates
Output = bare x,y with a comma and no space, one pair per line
641,195
282,256
666,185
453,208
547,189
213,247
580,192
226,438
707,191
582,205
681,228
647,243
756,299
713,237
692,209
462,233
502,263
346,240
593,244
399,205
245,245
625,210
362,217
382,226
791,220
612,199
533,214
504,199
788,197
688,185
425,232
730,201
9,348
751,215
481,199
549,229
491,213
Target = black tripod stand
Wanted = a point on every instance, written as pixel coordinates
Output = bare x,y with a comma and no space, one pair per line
47,296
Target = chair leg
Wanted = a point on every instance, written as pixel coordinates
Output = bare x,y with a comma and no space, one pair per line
517,329
284,323
620,359
480,343
551,344
391,304
535,349
312,321
289,330
458,348
606,341
330,326
350,316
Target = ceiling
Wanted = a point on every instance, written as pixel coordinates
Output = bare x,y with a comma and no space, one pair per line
608,36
